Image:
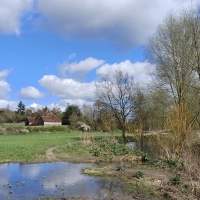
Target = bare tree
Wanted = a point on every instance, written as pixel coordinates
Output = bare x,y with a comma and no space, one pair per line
171,51
116,94
174,52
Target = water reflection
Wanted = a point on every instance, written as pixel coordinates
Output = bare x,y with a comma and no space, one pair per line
60,179
145,148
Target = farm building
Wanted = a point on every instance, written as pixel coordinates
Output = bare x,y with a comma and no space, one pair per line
44,120
29,120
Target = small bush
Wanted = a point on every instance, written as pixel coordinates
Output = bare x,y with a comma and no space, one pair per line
139,174
24,131
173,163
145,157
120,168
2,130
176,180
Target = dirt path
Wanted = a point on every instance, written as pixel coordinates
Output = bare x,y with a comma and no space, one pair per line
50,155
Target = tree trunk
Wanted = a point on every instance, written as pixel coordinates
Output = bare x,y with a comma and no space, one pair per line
124,135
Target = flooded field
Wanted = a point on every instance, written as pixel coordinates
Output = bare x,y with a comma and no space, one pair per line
61,179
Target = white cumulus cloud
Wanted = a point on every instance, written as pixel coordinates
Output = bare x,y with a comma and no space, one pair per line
11,13
79,102
4,86
4,73
67,88
138,69
11,104
125,23
35,106
80,69
30,93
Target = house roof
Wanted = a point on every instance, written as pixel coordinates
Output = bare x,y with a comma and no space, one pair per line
31,119
51,118
46,118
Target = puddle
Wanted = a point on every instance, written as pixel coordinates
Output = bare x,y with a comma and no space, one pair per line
145,148
61,179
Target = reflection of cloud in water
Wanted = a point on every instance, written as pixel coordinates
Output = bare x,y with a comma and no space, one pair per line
5,178
41,179
70,178
30,171
68,174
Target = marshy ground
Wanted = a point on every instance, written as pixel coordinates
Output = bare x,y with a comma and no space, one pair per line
161,180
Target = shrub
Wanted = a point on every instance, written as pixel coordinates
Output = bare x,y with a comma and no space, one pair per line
139,174
176,180
145,157
2,130
120,168
24,131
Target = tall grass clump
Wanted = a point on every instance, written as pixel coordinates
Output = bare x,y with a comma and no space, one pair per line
183,156
191,160
87,137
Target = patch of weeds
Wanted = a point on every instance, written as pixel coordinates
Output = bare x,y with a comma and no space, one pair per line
139,175
186,186
145,157
172,163
109,147
176,180
137,187
96,152
153,163
120,168
167,164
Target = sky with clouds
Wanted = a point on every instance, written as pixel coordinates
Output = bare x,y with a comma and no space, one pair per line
53,52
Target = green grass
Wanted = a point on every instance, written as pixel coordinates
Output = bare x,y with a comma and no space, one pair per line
31,147
97,147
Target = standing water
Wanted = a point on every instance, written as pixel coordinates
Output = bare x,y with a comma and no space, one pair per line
61,179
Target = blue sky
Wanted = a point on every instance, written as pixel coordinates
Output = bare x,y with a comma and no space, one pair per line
52,52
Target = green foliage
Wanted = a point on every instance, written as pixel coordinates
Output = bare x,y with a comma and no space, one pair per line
21,108
173,163
139,175
120,168
68,112
176,180
145,157
104,147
